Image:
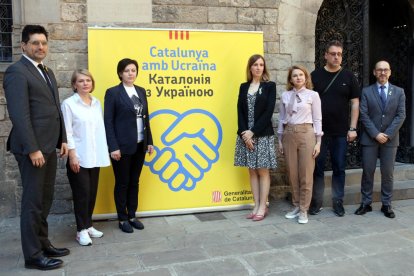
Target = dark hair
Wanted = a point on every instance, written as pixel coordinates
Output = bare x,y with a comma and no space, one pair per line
331,43
123,63
252,60
28,30
308,82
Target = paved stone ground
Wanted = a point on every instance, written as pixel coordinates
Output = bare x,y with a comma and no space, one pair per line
225,243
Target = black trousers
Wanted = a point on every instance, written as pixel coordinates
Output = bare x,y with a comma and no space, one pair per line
84,188
38,188
127,171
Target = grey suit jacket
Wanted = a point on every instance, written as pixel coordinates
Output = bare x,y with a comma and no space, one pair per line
376,120
34,110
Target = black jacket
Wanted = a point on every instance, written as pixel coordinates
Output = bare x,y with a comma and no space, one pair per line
263,109
120,120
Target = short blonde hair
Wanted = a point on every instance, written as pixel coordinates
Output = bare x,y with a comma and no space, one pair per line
81,72
308,80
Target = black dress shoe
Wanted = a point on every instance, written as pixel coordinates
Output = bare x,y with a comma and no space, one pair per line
136,224
315,211
125,227
388,212
363,209
43,263
52,251
338,208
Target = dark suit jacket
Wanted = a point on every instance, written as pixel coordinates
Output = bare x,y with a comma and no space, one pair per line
263,109
34,110
120,120
375,120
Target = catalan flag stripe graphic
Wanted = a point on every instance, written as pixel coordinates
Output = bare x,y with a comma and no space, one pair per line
178,35
216,196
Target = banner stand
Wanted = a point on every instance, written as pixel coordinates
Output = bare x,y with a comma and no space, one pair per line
186,211
192,80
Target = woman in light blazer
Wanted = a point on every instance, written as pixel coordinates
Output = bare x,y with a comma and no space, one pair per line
129,137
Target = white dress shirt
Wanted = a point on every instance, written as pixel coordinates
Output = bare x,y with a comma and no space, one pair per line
86,131
36,64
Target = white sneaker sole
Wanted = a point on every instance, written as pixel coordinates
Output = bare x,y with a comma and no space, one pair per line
291,216
95,236
303,221
84,243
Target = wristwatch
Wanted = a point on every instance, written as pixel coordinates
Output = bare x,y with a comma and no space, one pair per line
352,129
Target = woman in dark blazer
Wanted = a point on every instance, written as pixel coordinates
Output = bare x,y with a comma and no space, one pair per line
255,147
128,134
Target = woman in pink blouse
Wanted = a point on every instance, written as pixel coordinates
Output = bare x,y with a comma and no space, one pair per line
300,132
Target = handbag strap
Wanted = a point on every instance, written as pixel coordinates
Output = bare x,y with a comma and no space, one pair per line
333,79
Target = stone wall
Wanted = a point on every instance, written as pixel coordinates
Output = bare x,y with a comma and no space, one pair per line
288,27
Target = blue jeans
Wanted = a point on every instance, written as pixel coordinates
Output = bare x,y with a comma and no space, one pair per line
337,147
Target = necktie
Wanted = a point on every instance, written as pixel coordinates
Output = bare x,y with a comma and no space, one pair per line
383,96
46,76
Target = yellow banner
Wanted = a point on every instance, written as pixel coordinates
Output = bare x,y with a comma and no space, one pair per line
192,80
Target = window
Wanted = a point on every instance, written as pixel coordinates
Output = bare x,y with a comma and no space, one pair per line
6,22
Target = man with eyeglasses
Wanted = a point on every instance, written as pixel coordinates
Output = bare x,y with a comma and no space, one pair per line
38,129
338,89
382,115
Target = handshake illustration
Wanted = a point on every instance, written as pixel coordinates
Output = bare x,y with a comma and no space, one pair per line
187,147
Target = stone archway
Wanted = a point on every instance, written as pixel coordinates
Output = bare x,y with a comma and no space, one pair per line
343,20
391,38
372,30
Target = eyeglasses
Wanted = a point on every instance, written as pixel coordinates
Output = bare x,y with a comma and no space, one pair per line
380,70
333,54
37,43
298,99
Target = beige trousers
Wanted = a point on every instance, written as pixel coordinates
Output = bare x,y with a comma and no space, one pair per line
298,144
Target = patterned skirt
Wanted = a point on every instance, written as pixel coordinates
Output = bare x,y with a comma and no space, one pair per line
263,155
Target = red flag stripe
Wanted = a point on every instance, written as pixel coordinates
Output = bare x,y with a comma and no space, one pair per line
182,35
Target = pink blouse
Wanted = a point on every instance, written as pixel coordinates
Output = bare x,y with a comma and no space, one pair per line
306,110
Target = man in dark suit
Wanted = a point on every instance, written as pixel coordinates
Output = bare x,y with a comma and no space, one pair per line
38,129
382,113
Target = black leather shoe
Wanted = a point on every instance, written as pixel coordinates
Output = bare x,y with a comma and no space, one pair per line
363,209
315,211
52,251
388,212
125,227
43,263
338,208
136,224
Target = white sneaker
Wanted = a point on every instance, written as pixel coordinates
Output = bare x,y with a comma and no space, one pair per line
83,237
293,214
303,217
93,233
